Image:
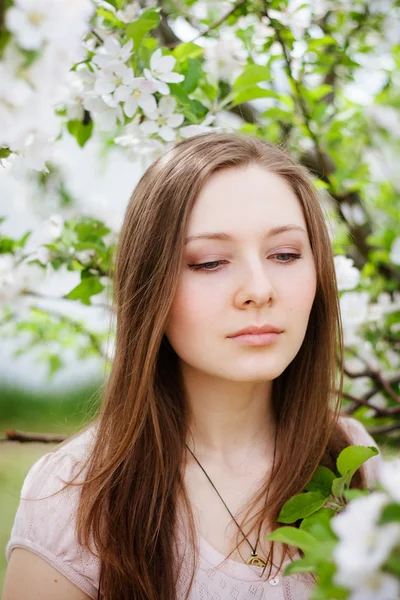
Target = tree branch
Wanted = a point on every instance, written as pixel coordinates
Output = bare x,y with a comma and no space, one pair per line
12,435
219,21
384,429
299,99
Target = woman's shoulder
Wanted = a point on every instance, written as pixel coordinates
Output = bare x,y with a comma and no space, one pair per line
361,437
46,516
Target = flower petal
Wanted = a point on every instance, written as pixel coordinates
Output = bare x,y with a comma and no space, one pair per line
149,127
175,120
166,63
122,93
148,87
155,59
171,77
163,88
130,106
104,86
112,45
166,106
167,134
147,102
136,82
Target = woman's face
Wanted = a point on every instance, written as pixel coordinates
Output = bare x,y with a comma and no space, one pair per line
247,278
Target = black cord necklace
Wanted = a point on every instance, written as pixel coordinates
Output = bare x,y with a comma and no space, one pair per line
253,559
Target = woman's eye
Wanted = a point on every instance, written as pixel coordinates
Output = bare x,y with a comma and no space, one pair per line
292,257
289,257
207,266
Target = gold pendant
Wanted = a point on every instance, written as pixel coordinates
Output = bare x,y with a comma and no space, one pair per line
257,561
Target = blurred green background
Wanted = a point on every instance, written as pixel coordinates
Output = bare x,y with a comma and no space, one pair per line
60,413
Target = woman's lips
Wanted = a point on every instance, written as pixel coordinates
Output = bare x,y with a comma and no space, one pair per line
256,339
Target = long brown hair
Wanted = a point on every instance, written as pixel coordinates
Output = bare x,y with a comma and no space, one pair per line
128,504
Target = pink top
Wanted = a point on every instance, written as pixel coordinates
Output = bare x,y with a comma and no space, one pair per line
46,527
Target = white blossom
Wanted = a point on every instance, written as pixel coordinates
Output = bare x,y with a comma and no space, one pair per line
377,586
161,71
262,30
348,276
15,276
355,214
297,16
142,91
106,115
354,312
363,545
114,79
137,143
225,57
395,251
29,93
203,127
111,53
383,306
34,22
163,121
7,278
389,478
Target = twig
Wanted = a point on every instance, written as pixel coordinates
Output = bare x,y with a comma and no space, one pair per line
378,378
219,21
383,412
384,428
96,35
299,97
12,435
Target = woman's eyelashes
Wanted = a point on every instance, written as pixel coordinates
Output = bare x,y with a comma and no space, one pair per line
212,266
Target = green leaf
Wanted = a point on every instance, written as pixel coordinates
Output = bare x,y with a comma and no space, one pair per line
251,93
354,493
390,513
319,92
304,565
352,457
187,50
193,109
80,131
339,485
192,75
393,562
251,75
110,17
294,537
318,43
91,230
321,481
318,524
87,288
149,20
301,506
278,114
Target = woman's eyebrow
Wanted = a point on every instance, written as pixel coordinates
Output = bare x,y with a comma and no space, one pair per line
225,236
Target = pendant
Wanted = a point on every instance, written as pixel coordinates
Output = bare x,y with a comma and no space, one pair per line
256,561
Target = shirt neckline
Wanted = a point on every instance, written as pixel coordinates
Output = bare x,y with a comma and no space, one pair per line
232,567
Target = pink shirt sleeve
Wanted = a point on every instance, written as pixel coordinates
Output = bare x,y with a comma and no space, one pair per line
360,437
47,526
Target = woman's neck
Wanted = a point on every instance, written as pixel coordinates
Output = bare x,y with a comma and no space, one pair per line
229,421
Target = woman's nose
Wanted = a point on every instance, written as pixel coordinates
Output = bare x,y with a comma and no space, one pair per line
254,286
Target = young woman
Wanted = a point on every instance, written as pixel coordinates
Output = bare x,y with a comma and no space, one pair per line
222,400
